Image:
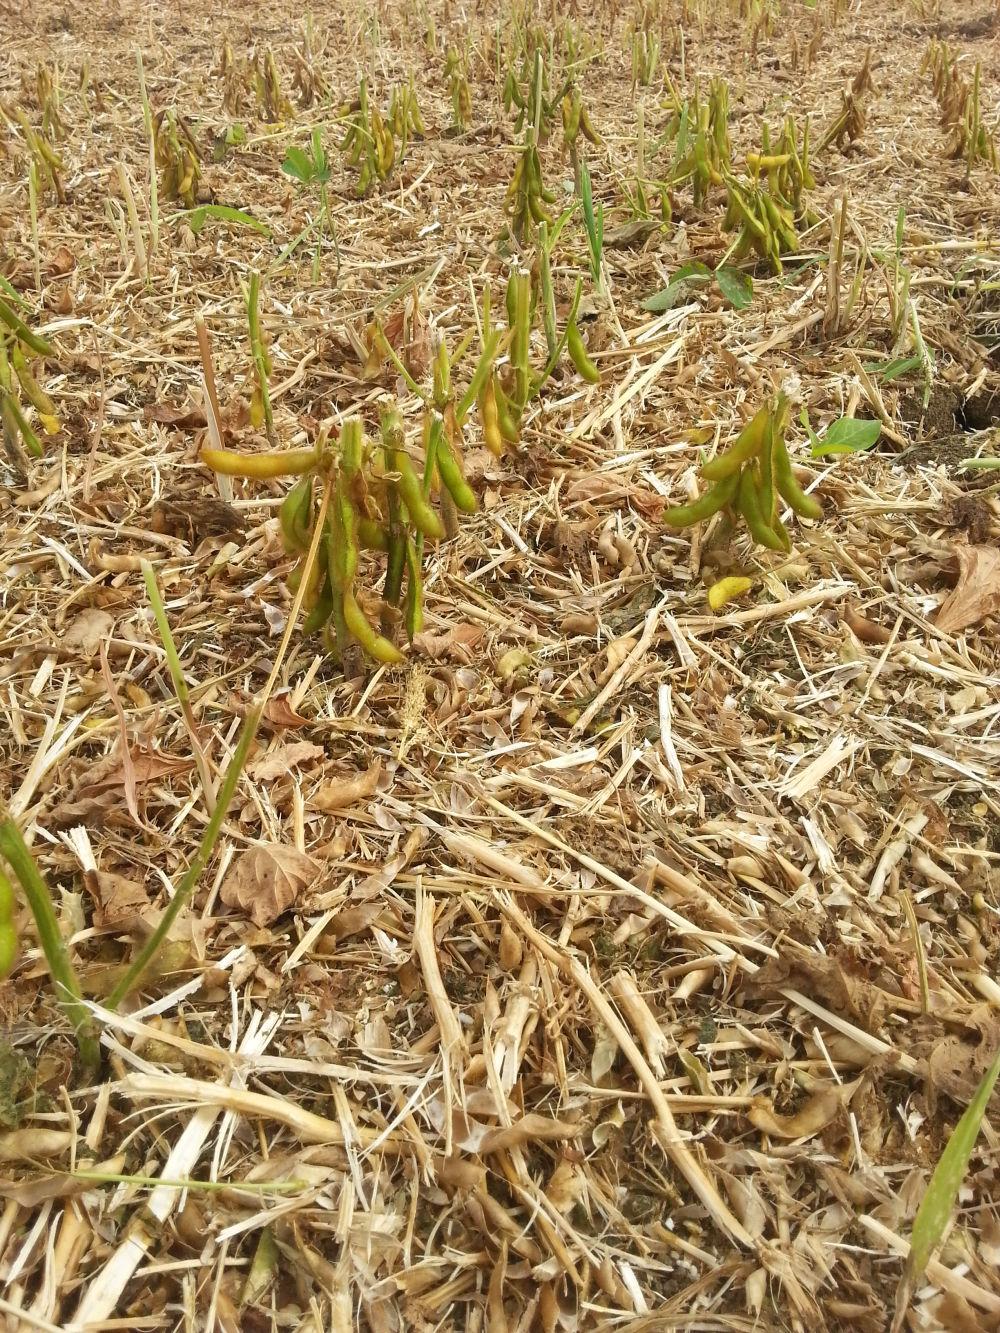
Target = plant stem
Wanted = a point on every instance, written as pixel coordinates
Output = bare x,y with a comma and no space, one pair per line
227,789
154,198
259,352
33,208
179,683
18,856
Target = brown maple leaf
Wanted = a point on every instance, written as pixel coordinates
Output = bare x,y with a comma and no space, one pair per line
266,880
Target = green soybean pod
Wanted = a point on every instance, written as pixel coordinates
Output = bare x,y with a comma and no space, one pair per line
685,516
748,445
374,644
789,489
579,356
453,480
748,503
373,536
423,517
8,933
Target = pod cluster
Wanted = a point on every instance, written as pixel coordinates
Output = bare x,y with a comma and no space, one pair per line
749,479
177,156
769,207
379,502
19,345
368,141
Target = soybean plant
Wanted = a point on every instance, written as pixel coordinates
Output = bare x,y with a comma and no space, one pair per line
749,479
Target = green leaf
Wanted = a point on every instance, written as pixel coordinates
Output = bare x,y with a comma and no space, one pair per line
693,271
942,1190
197,218
846,436
664,300
299,164
891,370
14,296
735,286
694,268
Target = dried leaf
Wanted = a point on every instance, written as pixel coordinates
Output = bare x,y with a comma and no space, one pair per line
827,981
977,593
88,631
340,793
280,759
530,1127
266,880
456,642
813,1115
277,711
147,766
958,1063
119,898
63,261
182,418
196,517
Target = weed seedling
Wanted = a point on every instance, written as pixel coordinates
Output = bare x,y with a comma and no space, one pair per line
312,170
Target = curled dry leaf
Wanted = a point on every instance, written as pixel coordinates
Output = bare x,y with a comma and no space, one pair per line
340,793
956,1065
88,631
827,981
456,642
529,1128
814,1114
63,261
280,759
977,593
266,880
182,418
119,898
146,766
277,711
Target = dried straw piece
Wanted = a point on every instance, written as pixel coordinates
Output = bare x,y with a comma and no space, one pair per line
669,1137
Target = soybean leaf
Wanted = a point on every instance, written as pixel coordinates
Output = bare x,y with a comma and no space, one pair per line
891,370
735,286
12,294
939,1200
846,436
299,164
694,268
197,218
693,271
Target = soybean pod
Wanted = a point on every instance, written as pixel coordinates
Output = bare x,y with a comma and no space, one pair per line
685,516
22,332
8,931
579,356
452,479
374,644
748,503
748,445
278,463
789,489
